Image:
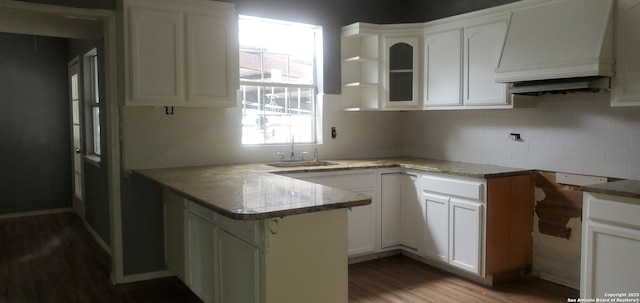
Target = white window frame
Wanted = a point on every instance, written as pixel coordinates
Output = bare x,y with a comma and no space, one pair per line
92,93
316,137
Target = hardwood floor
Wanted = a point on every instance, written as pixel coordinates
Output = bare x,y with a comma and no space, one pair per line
53,258
403,280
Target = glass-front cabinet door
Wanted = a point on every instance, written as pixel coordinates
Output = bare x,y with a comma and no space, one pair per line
402,72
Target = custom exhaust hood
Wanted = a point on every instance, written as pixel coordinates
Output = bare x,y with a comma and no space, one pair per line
559,46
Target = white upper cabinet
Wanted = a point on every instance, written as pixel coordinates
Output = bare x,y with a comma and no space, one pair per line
211,56
155,49
401,77
460,59
482,48
180,53
360,66
442,85
625,88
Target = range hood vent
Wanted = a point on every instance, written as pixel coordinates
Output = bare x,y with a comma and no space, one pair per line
558,39
561,86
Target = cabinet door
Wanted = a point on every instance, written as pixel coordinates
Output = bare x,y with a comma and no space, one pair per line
202,269
626,83
239,269
412,221
390,208
211,54
436,238
443,69
482,48
402,72
361,228
610,260
174,230
465,234
361,219
156,46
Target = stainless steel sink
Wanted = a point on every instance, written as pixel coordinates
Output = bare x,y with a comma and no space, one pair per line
302,163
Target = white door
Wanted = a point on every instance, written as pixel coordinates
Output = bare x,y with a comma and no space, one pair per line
610,261
464,234
361,229
239,270
442,75
412,221
436,240
482,48
202,264
390,208
76,127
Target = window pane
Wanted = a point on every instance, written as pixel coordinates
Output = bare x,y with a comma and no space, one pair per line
274,114
96,130
276,67
94,69
301,70
281,57
250,66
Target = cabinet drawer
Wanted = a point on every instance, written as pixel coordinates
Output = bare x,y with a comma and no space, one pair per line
624,211
245,230
462,187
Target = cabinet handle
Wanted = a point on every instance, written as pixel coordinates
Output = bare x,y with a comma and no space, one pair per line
273,227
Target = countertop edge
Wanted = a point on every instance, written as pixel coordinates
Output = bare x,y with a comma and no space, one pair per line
343,165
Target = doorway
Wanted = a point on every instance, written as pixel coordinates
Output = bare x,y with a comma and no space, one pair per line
20,17
76,138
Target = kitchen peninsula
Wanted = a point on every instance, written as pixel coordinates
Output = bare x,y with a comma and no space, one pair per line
258,233
241,234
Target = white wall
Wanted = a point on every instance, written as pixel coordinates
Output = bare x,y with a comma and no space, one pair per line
576,133
198,136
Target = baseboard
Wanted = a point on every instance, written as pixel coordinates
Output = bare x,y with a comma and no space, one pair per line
147,276
97,237
561,281
36,213
369,257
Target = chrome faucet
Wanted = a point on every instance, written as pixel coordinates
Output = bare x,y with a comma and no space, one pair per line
292,156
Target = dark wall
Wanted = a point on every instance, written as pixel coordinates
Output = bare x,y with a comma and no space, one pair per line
96,188
35,134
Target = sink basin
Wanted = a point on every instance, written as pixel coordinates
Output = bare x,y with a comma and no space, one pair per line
301,163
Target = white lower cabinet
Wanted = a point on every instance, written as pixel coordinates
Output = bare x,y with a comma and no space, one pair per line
175,233
299,258
610,246
240,269
201,257
465,227
436,240
453,211
362,219
402,222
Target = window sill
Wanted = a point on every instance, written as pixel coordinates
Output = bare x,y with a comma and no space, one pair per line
93,160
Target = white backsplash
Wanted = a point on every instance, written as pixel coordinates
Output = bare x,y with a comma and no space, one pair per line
574,133
201,136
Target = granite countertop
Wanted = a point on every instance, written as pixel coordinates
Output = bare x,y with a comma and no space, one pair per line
464,169
622,188
258,191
